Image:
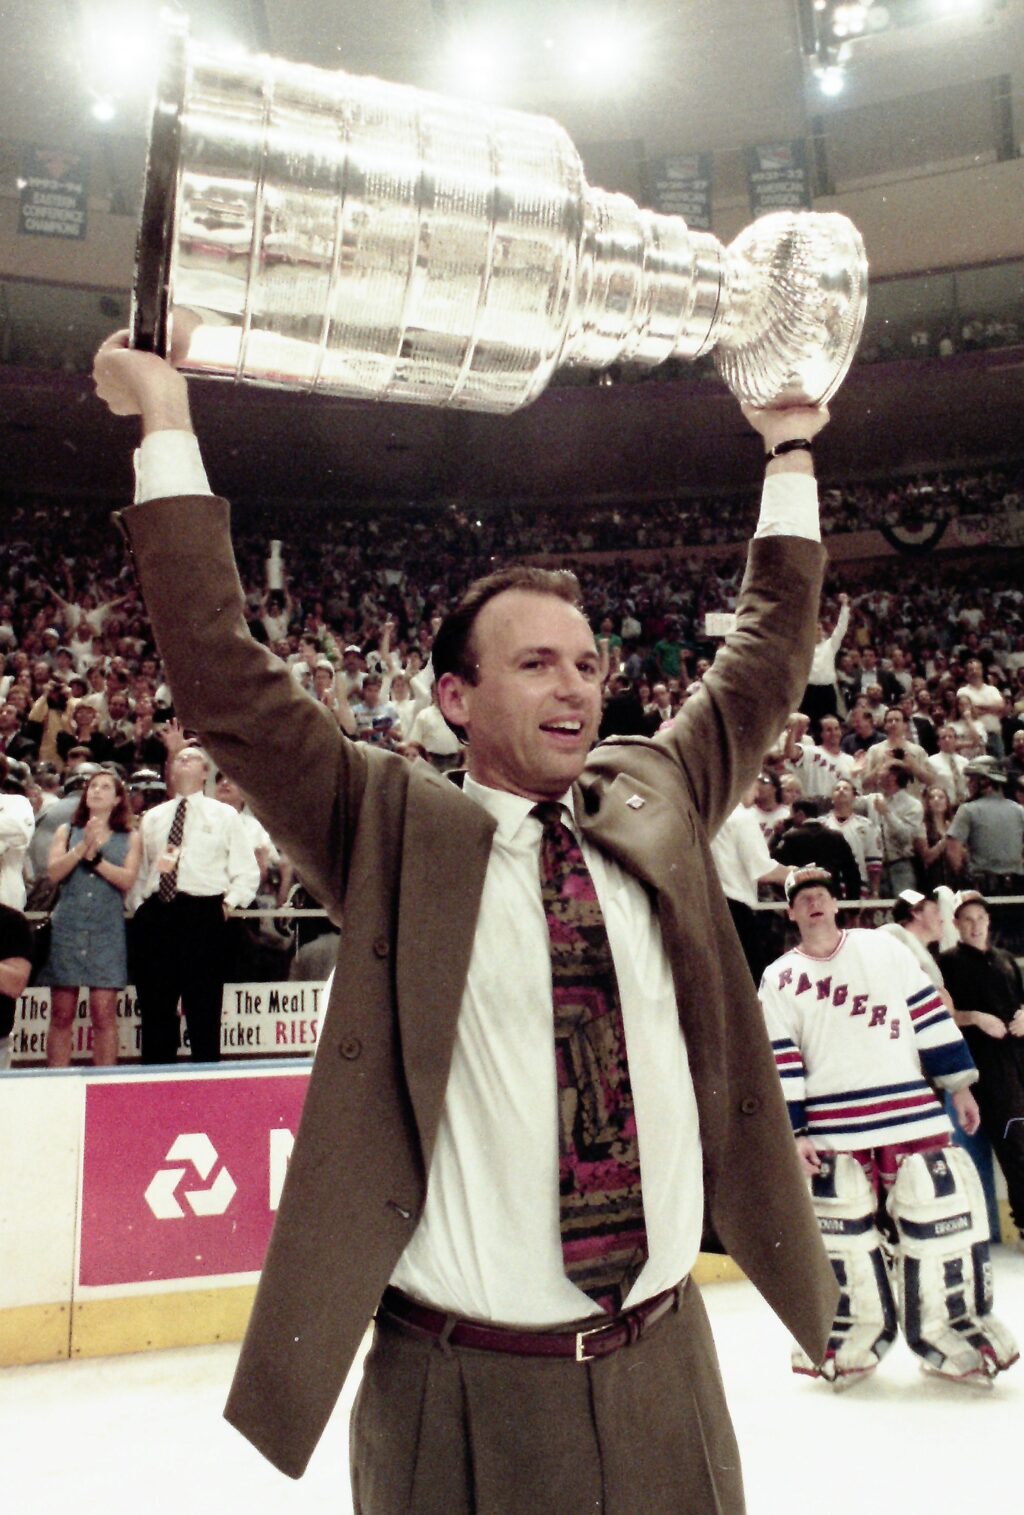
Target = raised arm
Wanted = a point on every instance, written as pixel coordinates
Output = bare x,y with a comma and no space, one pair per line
760,672
304,778
842,625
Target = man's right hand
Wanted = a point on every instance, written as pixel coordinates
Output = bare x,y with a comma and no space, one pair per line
806,1151
134,383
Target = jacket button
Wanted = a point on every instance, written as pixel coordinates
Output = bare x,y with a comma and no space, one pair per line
350,1048
750,1105
381,947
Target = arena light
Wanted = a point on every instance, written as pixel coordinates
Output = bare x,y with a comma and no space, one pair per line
119,52
103,110
604,50
478,63
831,80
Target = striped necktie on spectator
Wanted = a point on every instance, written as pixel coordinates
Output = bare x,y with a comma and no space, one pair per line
169,881
601,1214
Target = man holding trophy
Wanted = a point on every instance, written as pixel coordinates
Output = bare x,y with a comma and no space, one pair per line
425,1183
543,1064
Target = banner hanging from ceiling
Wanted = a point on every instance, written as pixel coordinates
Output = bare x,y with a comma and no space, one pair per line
54,189
681,186
777,177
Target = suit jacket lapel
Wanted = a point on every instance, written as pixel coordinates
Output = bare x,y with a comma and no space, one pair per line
446,845
640,827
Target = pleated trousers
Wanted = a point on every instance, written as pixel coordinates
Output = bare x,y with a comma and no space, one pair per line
443,1430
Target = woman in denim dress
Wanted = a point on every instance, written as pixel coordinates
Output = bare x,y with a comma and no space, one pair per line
95,860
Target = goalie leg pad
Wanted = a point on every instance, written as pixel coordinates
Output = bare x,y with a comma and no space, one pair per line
865,1323
944,1269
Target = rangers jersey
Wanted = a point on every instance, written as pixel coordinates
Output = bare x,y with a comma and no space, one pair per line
857,1036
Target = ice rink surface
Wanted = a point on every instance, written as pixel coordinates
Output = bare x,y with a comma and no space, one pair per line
143,1435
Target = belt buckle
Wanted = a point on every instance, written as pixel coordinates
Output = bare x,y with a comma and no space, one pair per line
581,1337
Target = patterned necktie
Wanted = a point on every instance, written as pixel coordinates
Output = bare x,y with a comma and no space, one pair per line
169,881
601,1212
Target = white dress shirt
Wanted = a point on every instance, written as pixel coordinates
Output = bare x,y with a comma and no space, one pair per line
741,855
17,823
988,705
863,838
169,463
259,837
433,733
216,854
948,768
823,663
488,1242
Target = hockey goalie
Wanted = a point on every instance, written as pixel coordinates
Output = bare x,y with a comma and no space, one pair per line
861,1040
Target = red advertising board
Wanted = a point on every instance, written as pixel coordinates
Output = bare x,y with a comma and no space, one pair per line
181,1176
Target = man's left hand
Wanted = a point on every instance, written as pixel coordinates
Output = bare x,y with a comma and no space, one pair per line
787,425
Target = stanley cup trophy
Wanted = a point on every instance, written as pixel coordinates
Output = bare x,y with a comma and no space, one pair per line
351,237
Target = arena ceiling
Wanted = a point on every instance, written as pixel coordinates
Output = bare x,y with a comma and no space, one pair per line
707,74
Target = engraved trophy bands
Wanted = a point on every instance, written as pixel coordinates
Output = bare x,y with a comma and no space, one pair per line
357,238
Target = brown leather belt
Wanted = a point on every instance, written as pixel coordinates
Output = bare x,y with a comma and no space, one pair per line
590,1341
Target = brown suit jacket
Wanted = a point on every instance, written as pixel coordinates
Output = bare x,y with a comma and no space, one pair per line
400,854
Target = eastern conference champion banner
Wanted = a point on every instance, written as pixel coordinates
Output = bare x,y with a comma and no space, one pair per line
54,194
257,1020
777,175
681,186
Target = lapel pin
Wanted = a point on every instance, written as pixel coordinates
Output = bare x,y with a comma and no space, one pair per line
635,802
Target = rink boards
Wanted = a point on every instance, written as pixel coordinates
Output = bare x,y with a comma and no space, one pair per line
274,1019
135,1206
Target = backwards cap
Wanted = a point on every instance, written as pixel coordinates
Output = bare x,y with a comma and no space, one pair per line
808,877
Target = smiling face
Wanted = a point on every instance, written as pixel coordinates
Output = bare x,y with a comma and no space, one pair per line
831,733
533,712
972,922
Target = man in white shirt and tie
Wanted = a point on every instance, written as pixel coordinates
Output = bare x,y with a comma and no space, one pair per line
197,864
948,766
440,1179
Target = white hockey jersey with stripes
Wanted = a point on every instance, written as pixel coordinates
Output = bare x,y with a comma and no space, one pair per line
857,1036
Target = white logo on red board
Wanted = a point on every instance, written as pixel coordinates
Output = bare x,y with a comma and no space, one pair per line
196,1149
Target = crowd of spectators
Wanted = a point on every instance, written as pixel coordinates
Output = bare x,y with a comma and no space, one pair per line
932,646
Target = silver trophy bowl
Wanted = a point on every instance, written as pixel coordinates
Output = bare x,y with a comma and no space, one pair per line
352,237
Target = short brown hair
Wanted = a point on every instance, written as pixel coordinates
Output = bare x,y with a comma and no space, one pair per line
453,650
